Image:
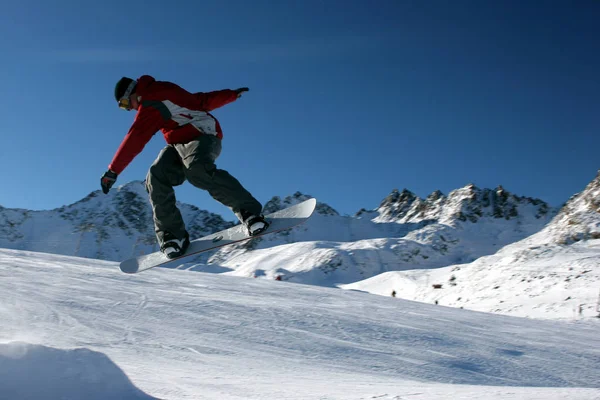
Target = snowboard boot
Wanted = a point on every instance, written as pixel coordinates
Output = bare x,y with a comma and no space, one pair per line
173,247
254,224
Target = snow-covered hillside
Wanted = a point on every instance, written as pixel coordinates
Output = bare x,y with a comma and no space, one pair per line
107,227
578,220
540,281
403,232
75,328
554,273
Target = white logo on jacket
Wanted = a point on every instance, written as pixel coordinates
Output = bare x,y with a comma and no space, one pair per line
200,120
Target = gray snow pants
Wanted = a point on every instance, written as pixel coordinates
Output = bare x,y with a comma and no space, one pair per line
194,162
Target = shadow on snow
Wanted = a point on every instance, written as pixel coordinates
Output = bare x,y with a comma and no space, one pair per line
38,372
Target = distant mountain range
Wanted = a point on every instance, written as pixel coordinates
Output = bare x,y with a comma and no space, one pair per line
119,225
406,236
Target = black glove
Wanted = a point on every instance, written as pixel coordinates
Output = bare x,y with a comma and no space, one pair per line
108,179
240,91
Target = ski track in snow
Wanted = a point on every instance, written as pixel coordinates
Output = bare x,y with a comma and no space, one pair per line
77,328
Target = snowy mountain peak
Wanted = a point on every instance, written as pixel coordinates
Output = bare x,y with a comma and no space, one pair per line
466,204
404,196
111,227
435,196
137,187
579,219
277,203
396,205
472,203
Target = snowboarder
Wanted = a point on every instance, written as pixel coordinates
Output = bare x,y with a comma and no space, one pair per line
193,139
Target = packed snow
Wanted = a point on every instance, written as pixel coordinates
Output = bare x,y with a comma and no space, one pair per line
536,281
75,328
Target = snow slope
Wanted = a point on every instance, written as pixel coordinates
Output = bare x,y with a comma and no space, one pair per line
76,328
560,282
554,273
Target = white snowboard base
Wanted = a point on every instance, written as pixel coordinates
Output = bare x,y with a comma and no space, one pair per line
279,221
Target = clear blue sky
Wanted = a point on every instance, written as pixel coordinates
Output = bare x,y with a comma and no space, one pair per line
348,99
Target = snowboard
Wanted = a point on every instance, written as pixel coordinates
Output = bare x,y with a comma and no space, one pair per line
278,221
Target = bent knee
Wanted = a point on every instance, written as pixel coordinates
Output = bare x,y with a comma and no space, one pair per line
160,176
201,175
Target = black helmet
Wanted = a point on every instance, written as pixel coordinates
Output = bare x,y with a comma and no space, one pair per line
121,87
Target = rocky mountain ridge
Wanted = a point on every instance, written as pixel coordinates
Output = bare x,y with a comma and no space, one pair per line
579,219
469,203
125,215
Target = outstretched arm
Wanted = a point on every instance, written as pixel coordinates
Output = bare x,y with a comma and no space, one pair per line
210,100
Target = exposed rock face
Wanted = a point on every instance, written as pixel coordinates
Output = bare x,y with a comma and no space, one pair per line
467,204
579,218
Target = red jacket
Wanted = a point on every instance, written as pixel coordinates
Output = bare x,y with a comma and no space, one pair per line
180,115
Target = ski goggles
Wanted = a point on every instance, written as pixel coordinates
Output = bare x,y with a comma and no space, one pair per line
124,102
